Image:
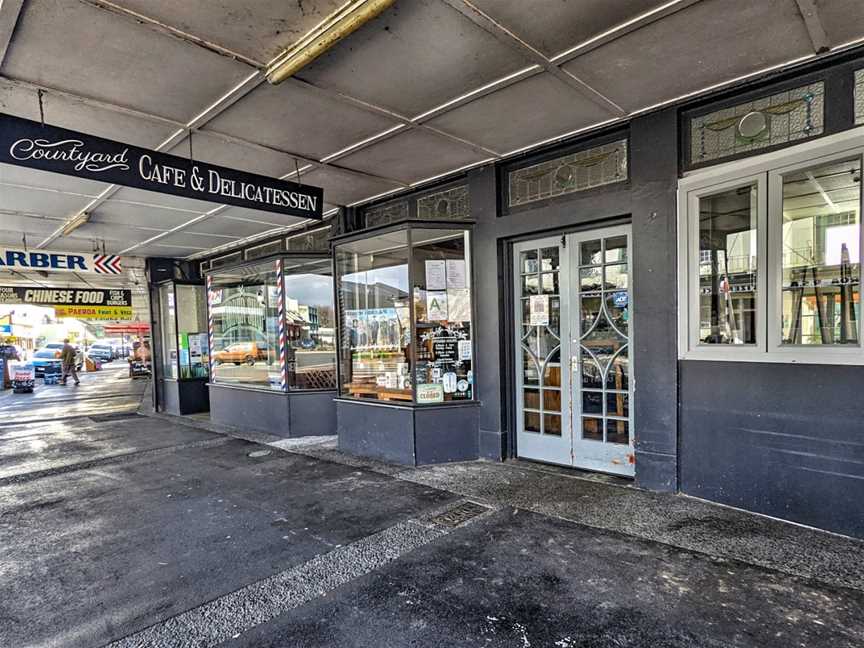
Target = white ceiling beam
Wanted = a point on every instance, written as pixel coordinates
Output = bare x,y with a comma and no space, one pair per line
813,23
9,12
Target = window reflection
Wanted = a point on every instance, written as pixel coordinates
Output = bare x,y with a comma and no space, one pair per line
821,256
727,266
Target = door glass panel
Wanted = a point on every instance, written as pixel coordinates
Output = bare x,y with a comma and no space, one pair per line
531,398
592,428
590,253
590,279
616,249
532,421
528,262
617,375
530,284
552,374
549,283
616,277
617,404
555,315
592,378
617,306
821,256
592,402
551,400
550,258
530,373
552,424
617,431
589,312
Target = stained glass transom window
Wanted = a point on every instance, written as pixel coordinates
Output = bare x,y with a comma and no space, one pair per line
314,241
859,97
450,204
386,213
780,118
587,169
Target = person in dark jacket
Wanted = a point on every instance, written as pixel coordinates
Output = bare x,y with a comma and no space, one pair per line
68,357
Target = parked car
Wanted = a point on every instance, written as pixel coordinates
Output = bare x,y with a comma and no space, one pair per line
101,352
241,352
47,360
57,348
10,352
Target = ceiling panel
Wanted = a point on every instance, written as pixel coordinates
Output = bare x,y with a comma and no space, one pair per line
562,24
258,29
49,182
77,47
342,188
525,113
414,56
65,112
235,155
170,251
275,220
230,227
708,43
293,117
120,213
164,201
411,156
44,203
189,239
843,20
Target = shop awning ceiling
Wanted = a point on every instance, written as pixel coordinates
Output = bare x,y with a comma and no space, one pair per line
429,87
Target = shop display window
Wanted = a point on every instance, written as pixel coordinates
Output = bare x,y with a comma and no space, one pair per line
247,304
771,265
245,321
405,307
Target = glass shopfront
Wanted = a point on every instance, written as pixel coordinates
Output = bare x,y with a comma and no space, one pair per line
405,311
185,347
273,324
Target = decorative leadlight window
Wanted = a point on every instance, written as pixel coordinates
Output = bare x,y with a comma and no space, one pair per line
859,97
387,213
586,169
266,249
315,241
449,204
781,118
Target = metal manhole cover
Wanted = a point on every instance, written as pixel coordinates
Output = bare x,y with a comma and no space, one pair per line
255,454
459,514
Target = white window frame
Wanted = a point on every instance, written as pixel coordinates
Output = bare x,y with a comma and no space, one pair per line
766,172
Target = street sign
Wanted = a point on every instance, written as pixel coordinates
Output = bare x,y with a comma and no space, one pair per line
48,148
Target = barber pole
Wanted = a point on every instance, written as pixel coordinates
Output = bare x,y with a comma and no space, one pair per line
280,309
210,324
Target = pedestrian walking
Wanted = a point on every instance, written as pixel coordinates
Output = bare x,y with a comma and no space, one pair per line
68,358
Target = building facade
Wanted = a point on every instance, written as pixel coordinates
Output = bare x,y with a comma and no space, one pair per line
674,299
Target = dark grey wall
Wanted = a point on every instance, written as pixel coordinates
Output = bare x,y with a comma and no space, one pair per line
649,199
265,411
786,440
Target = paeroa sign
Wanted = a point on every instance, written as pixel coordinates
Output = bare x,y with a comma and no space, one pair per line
48,148
22,260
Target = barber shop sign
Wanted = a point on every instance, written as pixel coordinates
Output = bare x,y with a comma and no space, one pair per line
22,260
48,148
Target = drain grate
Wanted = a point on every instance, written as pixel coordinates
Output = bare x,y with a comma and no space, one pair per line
460,514
104,418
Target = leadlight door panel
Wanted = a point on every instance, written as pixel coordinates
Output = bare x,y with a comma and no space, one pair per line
541,276
600,344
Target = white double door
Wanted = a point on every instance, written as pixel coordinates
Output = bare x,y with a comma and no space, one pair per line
574,385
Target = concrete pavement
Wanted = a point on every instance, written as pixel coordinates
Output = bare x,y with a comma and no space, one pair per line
139,531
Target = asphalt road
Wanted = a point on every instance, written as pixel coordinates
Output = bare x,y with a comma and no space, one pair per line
124,530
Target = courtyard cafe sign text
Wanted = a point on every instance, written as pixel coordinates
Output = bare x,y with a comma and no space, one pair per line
30,144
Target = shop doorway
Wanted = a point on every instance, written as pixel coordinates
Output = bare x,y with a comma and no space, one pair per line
573,325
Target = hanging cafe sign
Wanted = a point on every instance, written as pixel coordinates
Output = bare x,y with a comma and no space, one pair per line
48,148
81,303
